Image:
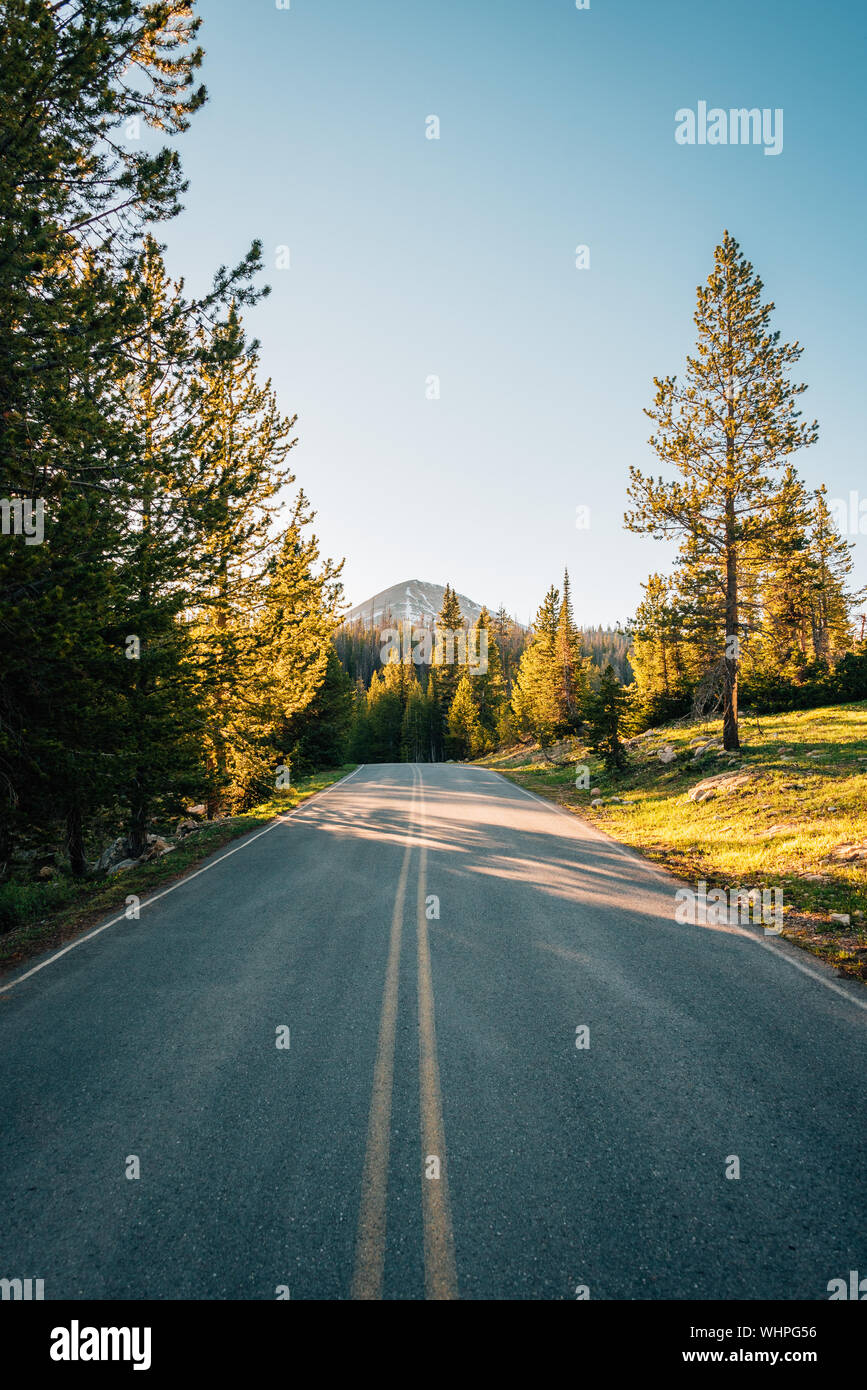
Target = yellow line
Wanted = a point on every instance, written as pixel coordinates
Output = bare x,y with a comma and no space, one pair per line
440,1273
370,1243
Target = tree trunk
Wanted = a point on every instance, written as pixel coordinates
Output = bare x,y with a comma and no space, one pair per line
139,794
138,823
730,684
731,742
664,655
5,848
75,841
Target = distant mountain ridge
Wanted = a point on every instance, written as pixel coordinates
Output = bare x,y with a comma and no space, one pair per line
413,599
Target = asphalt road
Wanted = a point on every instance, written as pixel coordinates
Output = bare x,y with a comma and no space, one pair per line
421,1044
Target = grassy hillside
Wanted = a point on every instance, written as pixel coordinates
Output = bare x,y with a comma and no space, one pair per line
795,817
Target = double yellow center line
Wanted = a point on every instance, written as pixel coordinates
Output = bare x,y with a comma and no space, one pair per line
439,1253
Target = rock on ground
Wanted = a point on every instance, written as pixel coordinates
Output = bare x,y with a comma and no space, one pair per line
722,782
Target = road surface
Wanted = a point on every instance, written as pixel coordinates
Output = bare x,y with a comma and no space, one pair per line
432,938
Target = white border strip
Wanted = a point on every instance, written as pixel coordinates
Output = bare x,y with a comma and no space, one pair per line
187,878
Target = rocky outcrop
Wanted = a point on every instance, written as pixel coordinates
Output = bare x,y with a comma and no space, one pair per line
116,857
724,782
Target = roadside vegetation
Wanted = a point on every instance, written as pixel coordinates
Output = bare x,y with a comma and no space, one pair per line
167,613
43,914
794,815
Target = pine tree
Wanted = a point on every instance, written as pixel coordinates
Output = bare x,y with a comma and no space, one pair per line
284,656
384,722
317,737
725,430
359,730
416,727
486,684
60,716
398,675
658,654
606,709
536,696
781,647
511,640
832,563
73,200
466,736
804,608
436,701
449,635
572,669
358,648
164,712
502,624
241,443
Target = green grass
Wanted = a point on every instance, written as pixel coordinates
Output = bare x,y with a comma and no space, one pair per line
48,914
779,830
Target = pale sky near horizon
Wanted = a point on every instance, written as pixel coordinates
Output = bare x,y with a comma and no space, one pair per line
455,257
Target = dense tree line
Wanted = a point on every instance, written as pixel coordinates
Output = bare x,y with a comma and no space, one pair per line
607,646
162,639
421,706
440,695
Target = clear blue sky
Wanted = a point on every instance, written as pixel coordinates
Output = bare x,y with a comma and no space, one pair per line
456,257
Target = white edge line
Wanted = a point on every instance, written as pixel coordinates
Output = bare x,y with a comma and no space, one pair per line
187,878
781,951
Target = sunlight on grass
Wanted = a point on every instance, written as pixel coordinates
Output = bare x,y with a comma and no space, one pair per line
798,823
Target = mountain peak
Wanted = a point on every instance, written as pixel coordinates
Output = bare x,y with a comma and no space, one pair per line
418,600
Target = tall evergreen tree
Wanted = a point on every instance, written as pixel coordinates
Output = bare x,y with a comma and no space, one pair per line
448,639
164,714
466,736
658,653
73,191
384,722
511,640
437,697
317,737
241,443
572,672
725,429
832,562
536,696
415,733
486,685
781,647
606,708
288,658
